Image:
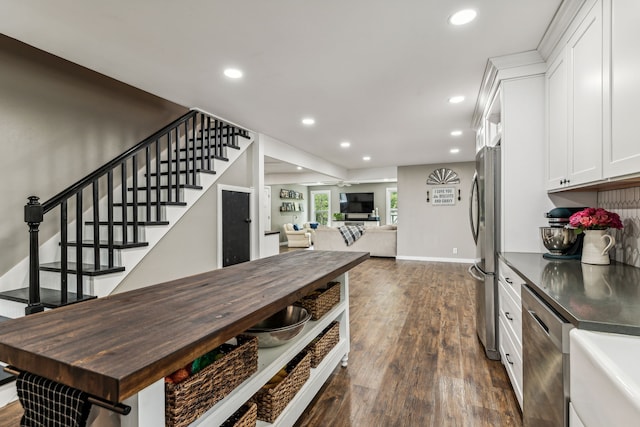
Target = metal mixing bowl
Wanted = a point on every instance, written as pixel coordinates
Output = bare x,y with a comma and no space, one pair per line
281,327
558,239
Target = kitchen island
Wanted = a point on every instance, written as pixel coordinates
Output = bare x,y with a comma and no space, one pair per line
119,348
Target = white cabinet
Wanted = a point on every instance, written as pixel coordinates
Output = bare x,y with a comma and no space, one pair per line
621,154
592,91
574,106
557,151
510,325
522,175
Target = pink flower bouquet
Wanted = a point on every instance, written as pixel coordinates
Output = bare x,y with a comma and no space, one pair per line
594,219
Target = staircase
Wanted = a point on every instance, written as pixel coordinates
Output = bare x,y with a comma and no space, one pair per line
109,220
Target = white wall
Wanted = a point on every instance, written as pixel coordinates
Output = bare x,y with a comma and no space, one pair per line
428,232
190,247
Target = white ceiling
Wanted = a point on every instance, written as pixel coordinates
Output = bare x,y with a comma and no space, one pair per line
377,73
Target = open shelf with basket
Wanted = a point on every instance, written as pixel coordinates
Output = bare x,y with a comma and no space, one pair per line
271,360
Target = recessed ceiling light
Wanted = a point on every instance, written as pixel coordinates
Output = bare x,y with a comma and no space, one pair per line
299,168
345,144
366,158
233,73
454,150
462,17
456,133
456,99
308,121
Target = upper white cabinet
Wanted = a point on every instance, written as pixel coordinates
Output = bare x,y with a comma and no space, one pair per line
557,151
574,106
592,89
621,154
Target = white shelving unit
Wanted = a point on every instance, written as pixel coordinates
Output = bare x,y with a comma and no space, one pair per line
270,361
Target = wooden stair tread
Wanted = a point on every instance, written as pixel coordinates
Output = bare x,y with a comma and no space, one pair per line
105,244
49,298
87,269
143,223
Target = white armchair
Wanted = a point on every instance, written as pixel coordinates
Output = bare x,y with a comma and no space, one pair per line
297,239
312,231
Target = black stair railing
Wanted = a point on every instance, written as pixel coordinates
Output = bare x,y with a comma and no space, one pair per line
186,146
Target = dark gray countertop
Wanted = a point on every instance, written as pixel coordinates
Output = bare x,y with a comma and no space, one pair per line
593,297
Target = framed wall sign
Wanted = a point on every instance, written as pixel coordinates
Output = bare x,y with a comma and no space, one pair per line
443,196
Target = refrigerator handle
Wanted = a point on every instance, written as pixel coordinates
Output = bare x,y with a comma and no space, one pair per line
472,271
474,224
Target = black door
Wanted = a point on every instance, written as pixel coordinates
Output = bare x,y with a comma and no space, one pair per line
236,226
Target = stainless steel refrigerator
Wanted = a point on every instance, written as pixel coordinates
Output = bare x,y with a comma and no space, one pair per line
484,215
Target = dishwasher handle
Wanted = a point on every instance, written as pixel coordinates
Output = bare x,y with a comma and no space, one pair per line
539,321
542,318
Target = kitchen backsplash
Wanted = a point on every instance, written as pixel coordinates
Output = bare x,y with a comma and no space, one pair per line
625,203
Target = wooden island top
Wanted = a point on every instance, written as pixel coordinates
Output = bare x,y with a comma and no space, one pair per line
115,346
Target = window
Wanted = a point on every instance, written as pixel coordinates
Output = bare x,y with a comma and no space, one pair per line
392,205
320,206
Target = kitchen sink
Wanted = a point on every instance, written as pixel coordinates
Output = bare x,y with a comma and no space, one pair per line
605,378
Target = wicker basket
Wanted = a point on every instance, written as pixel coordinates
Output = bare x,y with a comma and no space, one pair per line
323,343
189,399
246,416
271,402
319,305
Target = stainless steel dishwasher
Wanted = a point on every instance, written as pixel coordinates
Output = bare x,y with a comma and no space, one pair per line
545,361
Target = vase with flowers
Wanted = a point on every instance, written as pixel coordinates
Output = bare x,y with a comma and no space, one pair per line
594,222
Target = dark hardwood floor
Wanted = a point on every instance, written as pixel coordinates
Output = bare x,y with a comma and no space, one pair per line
415,359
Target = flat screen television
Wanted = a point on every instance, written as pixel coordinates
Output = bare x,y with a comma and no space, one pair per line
356,202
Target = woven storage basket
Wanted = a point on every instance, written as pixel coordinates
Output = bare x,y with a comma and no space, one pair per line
319,305
189,399
323,343
246,416
271,402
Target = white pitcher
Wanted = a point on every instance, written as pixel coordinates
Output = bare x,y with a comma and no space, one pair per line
596,246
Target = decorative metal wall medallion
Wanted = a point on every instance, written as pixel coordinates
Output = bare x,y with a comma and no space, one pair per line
443,176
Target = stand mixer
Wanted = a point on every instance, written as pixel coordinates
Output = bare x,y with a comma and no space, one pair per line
562,242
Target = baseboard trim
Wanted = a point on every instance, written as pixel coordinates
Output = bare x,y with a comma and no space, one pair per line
435,259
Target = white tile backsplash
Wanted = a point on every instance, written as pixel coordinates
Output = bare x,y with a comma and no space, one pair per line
626,203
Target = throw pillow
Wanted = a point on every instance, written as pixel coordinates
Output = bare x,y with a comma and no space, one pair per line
295,227
314,225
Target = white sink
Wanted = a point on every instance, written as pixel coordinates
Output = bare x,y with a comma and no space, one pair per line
605,378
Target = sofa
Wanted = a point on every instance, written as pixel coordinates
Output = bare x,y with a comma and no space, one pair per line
296,238
378,241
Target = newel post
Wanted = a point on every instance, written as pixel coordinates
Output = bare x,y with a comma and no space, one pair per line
33,216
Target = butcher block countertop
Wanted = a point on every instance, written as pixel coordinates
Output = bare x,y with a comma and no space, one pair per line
115,346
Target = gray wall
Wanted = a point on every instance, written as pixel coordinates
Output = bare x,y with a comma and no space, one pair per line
427,231
279,219
379,191
59,122
191,246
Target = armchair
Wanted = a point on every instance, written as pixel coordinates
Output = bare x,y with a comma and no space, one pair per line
297,239
311,229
